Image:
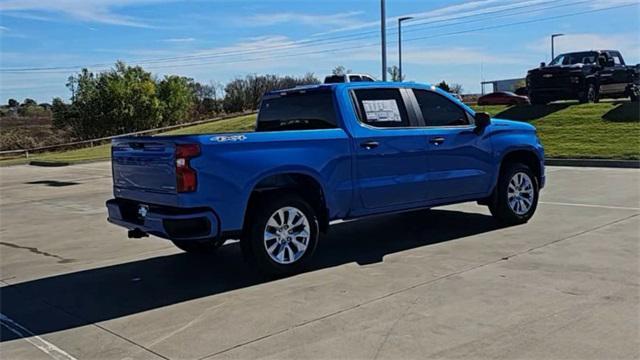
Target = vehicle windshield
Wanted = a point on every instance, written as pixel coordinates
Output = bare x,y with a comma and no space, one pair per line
587,57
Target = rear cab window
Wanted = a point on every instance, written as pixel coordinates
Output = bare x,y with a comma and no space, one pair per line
297,110
383,107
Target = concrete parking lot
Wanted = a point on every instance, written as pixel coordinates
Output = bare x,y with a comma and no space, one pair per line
445,283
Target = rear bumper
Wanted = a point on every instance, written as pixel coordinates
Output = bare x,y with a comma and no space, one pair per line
163,221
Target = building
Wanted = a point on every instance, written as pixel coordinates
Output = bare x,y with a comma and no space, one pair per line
502,85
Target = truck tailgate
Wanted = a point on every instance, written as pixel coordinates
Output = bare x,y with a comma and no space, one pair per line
144,164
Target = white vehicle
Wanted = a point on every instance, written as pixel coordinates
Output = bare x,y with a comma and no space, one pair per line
347,78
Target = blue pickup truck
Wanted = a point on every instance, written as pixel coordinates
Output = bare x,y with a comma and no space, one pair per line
318,154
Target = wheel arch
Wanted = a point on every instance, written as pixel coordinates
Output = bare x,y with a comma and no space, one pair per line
308,186
525,156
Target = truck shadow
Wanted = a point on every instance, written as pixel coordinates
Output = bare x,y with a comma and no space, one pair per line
81,298
623,112
530,112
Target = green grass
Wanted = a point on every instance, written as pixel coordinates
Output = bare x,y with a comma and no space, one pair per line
608,130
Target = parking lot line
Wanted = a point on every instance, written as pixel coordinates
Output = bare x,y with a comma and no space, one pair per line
590,205
40,343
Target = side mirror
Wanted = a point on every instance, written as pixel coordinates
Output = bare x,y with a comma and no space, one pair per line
542,64
482,120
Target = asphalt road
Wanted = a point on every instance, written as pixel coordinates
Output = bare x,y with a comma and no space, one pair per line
445,283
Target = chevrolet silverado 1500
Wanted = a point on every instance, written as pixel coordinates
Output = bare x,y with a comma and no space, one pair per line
322,153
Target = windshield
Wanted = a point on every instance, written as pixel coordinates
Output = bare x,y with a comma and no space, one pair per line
587,57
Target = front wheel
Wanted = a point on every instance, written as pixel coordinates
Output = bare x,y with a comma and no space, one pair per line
282,234
590,95
515,198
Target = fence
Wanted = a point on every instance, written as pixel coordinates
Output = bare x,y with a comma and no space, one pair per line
93,142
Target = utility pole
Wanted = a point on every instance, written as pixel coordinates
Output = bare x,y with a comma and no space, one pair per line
553,36
383,33
400,20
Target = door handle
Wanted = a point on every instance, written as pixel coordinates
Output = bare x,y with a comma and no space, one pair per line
436,140
369,144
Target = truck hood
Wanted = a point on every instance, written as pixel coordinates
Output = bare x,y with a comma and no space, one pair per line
559,69
512,125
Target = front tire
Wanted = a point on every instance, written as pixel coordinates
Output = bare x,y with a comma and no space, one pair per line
590,95
515,198
282,234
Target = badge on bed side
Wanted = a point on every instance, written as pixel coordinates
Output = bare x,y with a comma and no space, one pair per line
227,138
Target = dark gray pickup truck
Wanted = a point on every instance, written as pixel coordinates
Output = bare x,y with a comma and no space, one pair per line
586,76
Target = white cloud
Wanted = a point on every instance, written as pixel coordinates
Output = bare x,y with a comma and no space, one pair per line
180,40
601,4
96,11
469,8
339,19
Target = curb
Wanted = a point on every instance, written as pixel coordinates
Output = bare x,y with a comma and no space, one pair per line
48,163
605,163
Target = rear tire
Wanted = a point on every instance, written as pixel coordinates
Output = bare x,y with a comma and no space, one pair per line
515,198
281,234
201,247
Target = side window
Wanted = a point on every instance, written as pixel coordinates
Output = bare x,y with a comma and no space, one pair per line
355,78
437,110
382,108
616,59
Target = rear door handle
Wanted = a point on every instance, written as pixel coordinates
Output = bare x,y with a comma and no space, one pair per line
369,145
436,140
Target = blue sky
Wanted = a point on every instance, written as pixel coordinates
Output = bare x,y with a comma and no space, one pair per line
222,40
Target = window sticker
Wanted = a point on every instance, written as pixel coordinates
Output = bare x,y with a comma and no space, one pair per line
381,110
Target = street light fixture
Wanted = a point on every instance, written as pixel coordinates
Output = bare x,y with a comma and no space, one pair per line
553,36
400,20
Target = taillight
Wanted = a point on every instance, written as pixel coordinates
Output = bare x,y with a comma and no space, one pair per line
186,180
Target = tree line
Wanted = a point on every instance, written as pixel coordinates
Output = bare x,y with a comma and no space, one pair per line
128,99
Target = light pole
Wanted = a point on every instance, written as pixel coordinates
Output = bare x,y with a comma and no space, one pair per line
553,36
383,33
400,20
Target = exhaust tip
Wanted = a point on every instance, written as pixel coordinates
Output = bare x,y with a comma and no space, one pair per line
137,234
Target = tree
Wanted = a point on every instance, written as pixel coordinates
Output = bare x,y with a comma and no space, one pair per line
178,96
444,86
394,72
456,88
13,103
117,101
340,70
245,93
29,102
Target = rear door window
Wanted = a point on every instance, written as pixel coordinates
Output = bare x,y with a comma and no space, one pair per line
381,108
297,111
